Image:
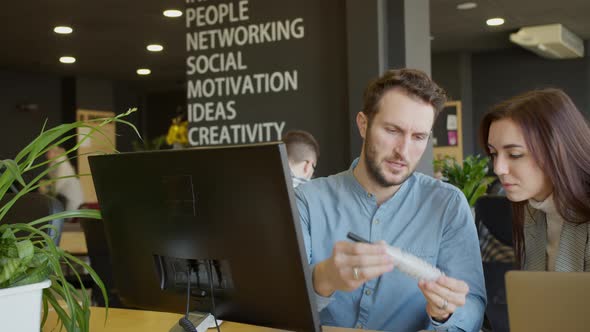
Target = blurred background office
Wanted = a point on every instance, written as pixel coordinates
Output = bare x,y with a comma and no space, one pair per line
70,60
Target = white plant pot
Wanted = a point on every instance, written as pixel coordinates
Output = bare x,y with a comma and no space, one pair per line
20,307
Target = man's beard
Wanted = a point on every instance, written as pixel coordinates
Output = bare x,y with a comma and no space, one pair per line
373,168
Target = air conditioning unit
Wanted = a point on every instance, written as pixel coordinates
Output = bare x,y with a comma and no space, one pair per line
551,41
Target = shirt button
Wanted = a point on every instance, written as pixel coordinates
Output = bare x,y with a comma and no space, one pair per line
376,221
368,292
369,195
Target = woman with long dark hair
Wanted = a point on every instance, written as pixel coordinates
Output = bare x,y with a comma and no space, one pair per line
540,147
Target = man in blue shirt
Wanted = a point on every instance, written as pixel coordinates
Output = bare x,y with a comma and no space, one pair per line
381,199
303,152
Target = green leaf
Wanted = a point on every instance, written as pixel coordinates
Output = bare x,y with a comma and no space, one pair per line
8,248
64,318
34,275
25,248
9,268
45,311
94,277
477,194
12,167
39,259
82,213
8,234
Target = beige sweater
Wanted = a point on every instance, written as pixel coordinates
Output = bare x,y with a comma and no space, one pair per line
554,225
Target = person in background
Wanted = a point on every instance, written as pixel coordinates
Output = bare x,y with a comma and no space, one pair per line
66,185
303,152
540,147
382,199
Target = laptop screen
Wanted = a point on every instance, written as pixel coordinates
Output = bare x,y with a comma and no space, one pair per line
548,301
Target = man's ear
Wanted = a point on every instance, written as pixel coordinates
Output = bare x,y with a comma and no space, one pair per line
362,122
308,169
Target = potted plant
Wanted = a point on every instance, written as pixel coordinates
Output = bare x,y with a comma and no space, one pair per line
29,259
471,176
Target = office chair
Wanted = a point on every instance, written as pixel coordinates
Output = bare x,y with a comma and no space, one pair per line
493,217
495,212
100,258
33,206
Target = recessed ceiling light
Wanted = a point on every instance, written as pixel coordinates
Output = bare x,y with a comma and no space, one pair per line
155,48
143,71
67,59
466,5
63,30
172,13
495,21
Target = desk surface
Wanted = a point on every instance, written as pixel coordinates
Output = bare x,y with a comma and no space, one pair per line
120,320
73,242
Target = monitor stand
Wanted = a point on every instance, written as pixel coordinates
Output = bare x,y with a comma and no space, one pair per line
195,320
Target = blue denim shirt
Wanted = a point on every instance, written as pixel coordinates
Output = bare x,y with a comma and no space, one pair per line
426,217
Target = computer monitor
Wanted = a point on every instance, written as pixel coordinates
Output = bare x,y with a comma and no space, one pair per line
233,206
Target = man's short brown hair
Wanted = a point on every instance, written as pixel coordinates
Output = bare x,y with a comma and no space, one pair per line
414,83
300,144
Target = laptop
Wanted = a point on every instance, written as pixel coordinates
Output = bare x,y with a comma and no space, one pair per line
548,301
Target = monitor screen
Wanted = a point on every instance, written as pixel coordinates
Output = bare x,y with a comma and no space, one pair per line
227,209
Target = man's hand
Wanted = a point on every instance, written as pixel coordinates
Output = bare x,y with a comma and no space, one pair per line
350,265
444,296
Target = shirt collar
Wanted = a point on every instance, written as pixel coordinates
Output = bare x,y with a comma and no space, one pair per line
355,185
297,180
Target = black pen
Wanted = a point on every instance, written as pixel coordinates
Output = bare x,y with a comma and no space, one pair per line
356,238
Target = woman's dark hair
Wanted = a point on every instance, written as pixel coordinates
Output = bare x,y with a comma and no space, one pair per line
558,137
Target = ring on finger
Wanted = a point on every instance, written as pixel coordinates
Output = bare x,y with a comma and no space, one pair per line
355,272
444,304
